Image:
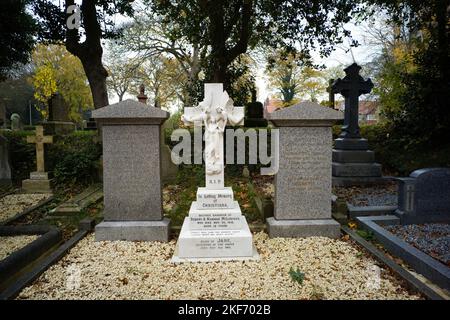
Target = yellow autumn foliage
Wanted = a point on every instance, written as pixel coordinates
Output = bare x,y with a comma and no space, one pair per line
58,71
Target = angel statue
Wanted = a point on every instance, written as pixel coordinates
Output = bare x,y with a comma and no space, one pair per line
214,112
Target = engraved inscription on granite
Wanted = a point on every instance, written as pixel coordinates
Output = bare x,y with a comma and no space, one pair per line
304,172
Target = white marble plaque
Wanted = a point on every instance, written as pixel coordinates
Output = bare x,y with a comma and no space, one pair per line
214,243
215,199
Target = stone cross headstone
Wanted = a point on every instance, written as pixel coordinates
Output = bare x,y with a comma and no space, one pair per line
214,113
131,173
351,87
39,180
353,162
40,139
16,122
215,227
5,169
424,196
302,205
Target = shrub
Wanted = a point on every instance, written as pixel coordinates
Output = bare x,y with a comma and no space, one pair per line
72,158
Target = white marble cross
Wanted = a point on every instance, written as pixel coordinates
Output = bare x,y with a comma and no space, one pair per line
214,112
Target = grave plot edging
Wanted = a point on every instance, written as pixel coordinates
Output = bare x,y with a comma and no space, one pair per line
418,260
412,281
12,291
15,262
26,211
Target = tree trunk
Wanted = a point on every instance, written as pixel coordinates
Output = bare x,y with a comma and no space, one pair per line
96,75
221,56
90,51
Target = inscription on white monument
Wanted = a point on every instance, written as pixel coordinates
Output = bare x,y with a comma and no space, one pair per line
215,226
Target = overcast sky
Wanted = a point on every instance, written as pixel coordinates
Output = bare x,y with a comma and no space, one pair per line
342,55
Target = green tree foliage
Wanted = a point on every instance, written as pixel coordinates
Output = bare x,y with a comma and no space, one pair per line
58,71
16,37
230,28
97,23
415,74
295,78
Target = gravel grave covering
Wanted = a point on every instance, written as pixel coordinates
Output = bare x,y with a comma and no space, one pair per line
378,195
431,238
11,244
333,269
13,204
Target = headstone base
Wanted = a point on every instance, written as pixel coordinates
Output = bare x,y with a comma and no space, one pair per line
303,228
176,257
351,144
353,163
59,127
349,156
34,185
133,230
214,243
356,169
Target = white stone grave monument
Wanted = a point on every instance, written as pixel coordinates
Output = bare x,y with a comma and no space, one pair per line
215,228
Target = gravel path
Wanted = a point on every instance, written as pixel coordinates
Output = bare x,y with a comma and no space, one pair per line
431,238
379,195
333,269
9,244
16,203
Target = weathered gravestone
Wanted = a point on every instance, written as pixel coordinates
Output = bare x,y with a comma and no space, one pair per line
39,181
215,227
5,169
303,182
58,121
254,113
131,173
353,162
16,122
424,196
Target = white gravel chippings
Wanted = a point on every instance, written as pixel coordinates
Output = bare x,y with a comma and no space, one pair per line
14,204
333,269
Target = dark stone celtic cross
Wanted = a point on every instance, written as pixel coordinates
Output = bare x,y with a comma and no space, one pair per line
351,87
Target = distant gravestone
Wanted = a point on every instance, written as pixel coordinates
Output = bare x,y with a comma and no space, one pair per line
425,196
131,173
254,115
16,122
39,181
5,169
303,181
353,162
59,121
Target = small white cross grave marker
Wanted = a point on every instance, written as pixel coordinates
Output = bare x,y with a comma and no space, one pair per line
214,112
